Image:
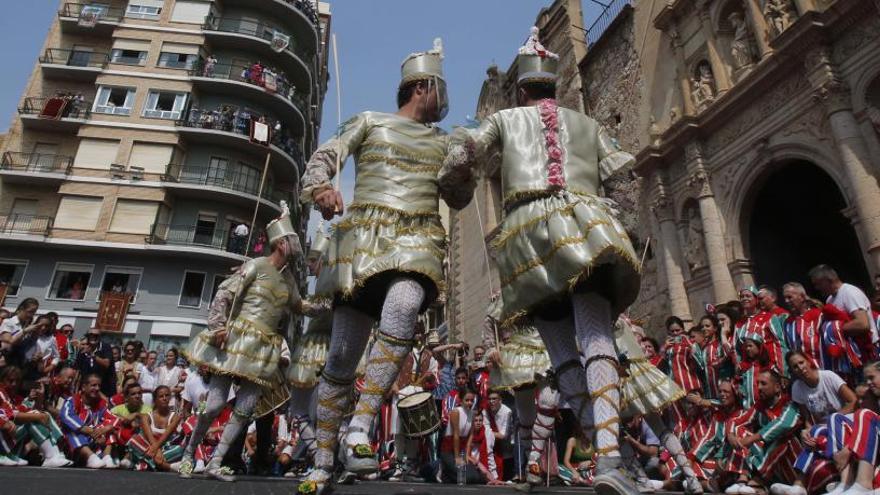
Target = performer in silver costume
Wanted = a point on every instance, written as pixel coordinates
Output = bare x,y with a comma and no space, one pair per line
564,260
385,258
242,342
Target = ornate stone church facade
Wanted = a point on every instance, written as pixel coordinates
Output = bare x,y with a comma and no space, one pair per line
756,127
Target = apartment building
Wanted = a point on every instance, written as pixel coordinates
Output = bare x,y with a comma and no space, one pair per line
136,165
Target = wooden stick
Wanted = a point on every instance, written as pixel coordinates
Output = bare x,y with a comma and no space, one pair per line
247,246
645,252
338,113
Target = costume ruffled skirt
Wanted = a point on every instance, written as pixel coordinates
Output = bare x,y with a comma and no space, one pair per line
522,357
645,388
548,245
372,245
309,354
252,351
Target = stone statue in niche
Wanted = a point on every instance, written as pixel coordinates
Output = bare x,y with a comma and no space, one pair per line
695,252
703,86
780,14
741,46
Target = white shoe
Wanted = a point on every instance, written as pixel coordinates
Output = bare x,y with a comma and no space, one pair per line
858,489
734,489
746,490
838,489
57,461
95,462
124,464
19,461
110,462
5,461
175,467
797,490
200,467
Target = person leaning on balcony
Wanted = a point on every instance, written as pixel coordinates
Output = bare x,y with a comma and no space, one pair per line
241,342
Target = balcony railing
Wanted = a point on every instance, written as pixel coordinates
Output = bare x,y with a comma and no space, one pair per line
276,83
102,13
221,240
20,223
57,107
75,58
214,177
257,30
229,118
609,13
36,162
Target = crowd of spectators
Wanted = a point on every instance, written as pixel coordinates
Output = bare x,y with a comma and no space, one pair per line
777,399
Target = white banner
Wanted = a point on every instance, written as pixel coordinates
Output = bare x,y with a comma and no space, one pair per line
280,41
89,15
260,133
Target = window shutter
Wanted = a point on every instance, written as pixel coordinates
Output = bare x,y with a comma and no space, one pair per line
133,217
149,3
180,48
190,11
78,212
154,158
96,153
136,45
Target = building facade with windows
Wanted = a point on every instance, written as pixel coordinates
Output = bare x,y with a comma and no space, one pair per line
135,163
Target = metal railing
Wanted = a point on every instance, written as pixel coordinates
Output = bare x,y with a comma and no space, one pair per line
36,162
229,118
73,107
75,58
226,179
20,223
189,235
609,13
270,81
257,30
104,14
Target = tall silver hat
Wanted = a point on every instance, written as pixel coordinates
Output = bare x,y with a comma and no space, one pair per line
536,63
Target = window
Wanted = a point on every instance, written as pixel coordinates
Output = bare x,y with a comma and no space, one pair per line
173,60
191,290
116,101
206,224
121,279
132,52
70,281
248,178
96,153
78,212
134,216
153,158
164,105
218,279
217,171
190,11
11,275
144,9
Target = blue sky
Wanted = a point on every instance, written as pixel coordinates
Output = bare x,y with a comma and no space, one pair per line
374,37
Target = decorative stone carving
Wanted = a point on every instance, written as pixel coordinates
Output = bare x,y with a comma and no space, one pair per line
698,182
695,248
654,131
703,88
834,94
780,14
741,46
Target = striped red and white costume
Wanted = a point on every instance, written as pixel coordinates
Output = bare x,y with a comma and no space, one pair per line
710,449
684,370
769,324
76,414
804,332
773,456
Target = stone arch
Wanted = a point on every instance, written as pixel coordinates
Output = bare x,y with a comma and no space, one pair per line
866,83
764,221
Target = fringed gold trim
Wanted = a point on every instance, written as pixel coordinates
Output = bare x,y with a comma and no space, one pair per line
625,402
248,355
519,317
219,371
347,292
520,196
393,211
347,260
380,147
429,230
370,158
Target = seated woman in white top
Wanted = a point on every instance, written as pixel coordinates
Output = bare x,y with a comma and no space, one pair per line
818,393
159,444
454,441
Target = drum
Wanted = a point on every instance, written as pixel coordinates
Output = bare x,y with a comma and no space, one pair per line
418,414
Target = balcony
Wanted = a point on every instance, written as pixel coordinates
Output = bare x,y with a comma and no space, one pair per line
256,37
25,224
216,127
32,168
268,88
211,183
89,19
79,65
63,113
171,237
304,14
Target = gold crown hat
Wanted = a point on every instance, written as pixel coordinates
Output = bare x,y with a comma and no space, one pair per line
536,63
281,226
423,65
319,243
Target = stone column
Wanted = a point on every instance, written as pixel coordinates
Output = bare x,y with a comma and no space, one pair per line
833,93
722,282
684,79
669,254
759,26
719,67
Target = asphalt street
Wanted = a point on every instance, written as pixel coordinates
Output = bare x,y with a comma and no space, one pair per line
39,481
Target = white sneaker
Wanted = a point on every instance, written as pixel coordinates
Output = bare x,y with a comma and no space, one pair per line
797,490
57,461
5,461
124,464
838,489
95,462
858,489
734,489
18,460
200,467
109,462
746,490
